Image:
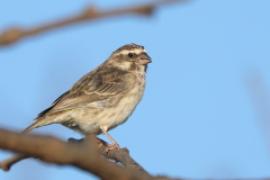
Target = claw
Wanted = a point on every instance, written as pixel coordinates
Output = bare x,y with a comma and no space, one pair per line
112,147
114,143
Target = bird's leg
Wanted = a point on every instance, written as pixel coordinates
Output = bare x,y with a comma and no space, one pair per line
114,143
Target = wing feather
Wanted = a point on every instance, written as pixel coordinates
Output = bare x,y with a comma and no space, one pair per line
92,91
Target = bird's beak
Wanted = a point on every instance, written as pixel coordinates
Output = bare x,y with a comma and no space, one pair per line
145,59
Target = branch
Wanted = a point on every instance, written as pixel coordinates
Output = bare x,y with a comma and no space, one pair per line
118,155
15,34
87,154
8,163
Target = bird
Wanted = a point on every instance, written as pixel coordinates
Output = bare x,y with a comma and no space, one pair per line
103,98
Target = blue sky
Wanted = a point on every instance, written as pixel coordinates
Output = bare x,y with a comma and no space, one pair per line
197,119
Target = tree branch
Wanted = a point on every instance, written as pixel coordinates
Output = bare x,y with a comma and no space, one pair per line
15,34
87,154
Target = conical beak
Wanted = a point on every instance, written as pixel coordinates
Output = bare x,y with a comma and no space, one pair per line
145,59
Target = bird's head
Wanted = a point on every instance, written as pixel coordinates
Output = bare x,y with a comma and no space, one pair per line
130,57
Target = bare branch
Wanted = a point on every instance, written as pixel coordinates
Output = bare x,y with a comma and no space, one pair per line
52,150
8,163
15,34
87,154
118,155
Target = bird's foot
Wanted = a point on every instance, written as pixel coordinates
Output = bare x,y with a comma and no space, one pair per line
113,147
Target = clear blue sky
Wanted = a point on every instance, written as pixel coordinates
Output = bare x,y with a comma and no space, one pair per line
197,118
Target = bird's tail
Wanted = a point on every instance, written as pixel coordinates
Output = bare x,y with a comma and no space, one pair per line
32,126
41,121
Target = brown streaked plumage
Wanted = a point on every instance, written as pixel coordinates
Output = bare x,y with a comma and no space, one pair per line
103,98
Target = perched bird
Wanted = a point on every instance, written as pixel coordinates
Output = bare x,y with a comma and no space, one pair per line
104,97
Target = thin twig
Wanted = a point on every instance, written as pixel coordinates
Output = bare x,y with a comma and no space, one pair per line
13,35
8,163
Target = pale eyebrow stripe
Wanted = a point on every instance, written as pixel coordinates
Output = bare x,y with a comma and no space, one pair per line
125,52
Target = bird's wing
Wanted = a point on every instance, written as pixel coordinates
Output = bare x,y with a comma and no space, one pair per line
94,90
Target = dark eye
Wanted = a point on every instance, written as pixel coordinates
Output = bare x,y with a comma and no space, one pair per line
131,55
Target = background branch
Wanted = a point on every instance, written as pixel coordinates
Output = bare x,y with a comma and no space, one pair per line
15,34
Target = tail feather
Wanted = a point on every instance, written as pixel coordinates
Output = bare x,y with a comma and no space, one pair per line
30,128
42,121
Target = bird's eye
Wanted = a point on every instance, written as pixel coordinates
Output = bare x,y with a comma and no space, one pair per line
131,55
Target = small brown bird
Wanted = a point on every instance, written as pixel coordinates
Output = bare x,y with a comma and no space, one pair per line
103,98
